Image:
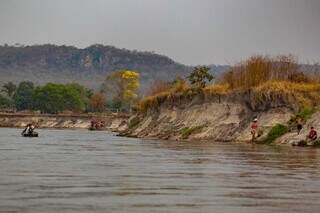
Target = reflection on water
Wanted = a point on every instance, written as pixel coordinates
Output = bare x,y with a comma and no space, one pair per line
81,171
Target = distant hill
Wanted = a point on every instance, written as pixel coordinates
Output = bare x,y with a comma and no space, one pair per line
310,68
88,66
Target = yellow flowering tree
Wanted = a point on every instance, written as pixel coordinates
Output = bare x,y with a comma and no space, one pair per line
123,85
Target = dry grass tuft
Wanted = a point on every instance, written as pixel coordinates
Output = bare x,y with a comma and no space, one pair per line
301,94
158,86
295,95
217,89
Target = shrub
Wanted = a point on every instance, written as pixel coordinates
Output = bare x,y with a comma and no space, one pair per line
302,115
187,131
306,113
199,77
276,131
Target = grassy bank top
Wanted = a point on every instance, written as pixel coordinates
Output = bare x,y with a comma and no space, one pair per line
260,81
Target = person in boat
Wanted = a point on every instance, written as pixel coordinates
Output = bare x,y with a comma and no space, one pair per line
92,124
103,124
254,129
32,127
97,124
29,129
100,124
312,136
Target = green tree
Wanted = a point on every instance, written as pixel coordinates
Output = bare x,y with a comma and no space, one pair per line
74,100
54,98
199,77
9,88
23,97
123,86
5,102
85,93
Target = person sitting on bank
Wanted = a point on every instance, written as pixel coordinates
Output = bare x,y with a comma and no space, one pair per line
254,129
312,136
299,126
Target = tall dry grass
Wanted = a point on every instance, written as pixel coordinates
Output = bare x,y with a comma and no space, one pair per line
260,69
158,86
163,91
267,78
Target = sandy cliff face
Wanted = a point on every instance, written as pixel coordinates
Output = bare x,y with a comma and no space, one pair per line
216,121
267,119
207,121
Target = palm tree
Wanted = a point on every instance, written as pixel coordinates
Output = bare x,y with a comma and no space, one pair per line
9,88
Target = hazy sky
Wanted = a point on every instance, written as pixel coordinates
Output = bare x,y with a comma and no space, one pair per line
189,31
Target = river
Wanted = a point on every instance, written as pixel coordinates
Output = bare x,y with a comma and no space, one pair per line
83,171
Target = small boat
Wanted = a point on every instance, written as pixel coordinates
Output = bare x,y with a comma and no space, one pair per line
97,125
33,134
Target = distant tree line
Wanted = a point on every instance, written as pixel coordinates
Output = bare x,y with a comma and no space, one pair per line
117,93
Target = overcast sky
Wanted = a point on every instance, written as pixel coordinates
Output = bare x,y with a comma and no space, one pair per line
189,31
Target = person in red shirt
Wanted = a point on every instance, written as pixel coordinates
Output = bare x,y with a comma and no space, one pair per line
312,134
254,129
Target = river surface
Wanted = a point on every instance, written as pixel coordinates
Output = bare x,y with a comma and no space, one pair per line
82,171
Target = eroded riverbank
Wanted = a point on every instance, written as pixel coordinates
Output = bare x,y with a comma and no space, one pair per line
222,118
113,121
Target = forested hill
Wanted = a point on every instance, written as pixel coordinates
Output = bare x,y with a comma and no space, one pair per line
89,66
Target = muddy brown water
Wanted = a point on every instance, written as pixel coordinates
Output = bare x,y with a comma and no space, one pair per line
83,171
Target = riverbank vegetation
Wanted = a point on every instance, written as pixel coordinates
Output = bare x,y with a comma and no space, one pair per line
122,87
117,94
262,79
277,131
187,131
259,80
